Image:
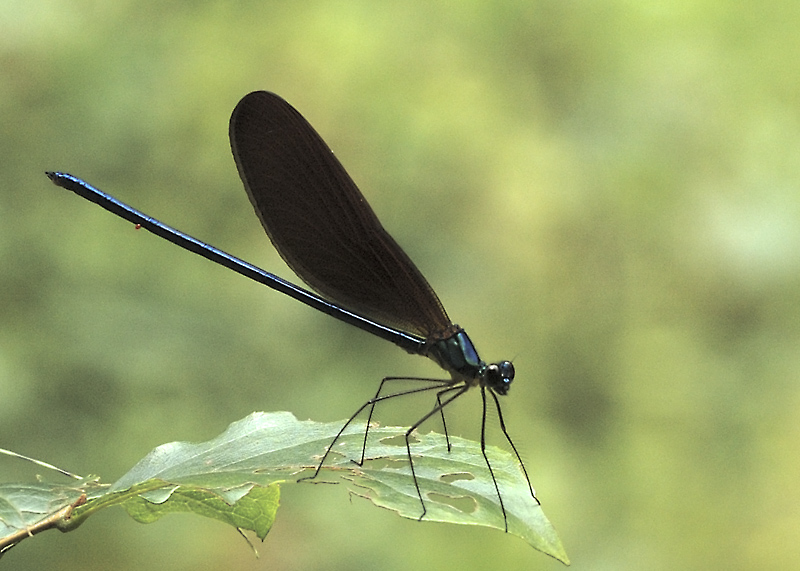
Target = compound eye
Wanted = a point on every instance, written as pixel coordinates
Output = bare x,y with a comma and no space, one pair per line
506,369
498,376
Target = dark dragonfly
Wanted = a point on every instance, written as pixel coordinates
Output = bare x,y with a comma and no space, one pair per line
326,232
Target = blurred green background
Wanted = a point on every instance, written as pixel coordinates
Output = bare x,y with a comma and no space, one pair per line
604,192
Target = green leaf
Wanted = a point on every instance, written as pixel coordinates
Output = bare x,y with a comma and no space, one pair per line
235,478
23,505
27,509
254,511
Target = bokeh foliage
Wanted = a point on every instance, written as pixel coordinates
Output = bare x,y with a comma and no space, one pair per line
605,192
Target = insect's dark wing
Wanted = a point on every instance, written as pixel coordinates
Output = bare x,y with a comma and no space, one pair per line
320,222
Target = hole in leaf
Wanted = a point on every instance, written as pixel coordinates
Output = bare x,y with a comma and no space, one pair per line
456,476
384,463
399,440
464,504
